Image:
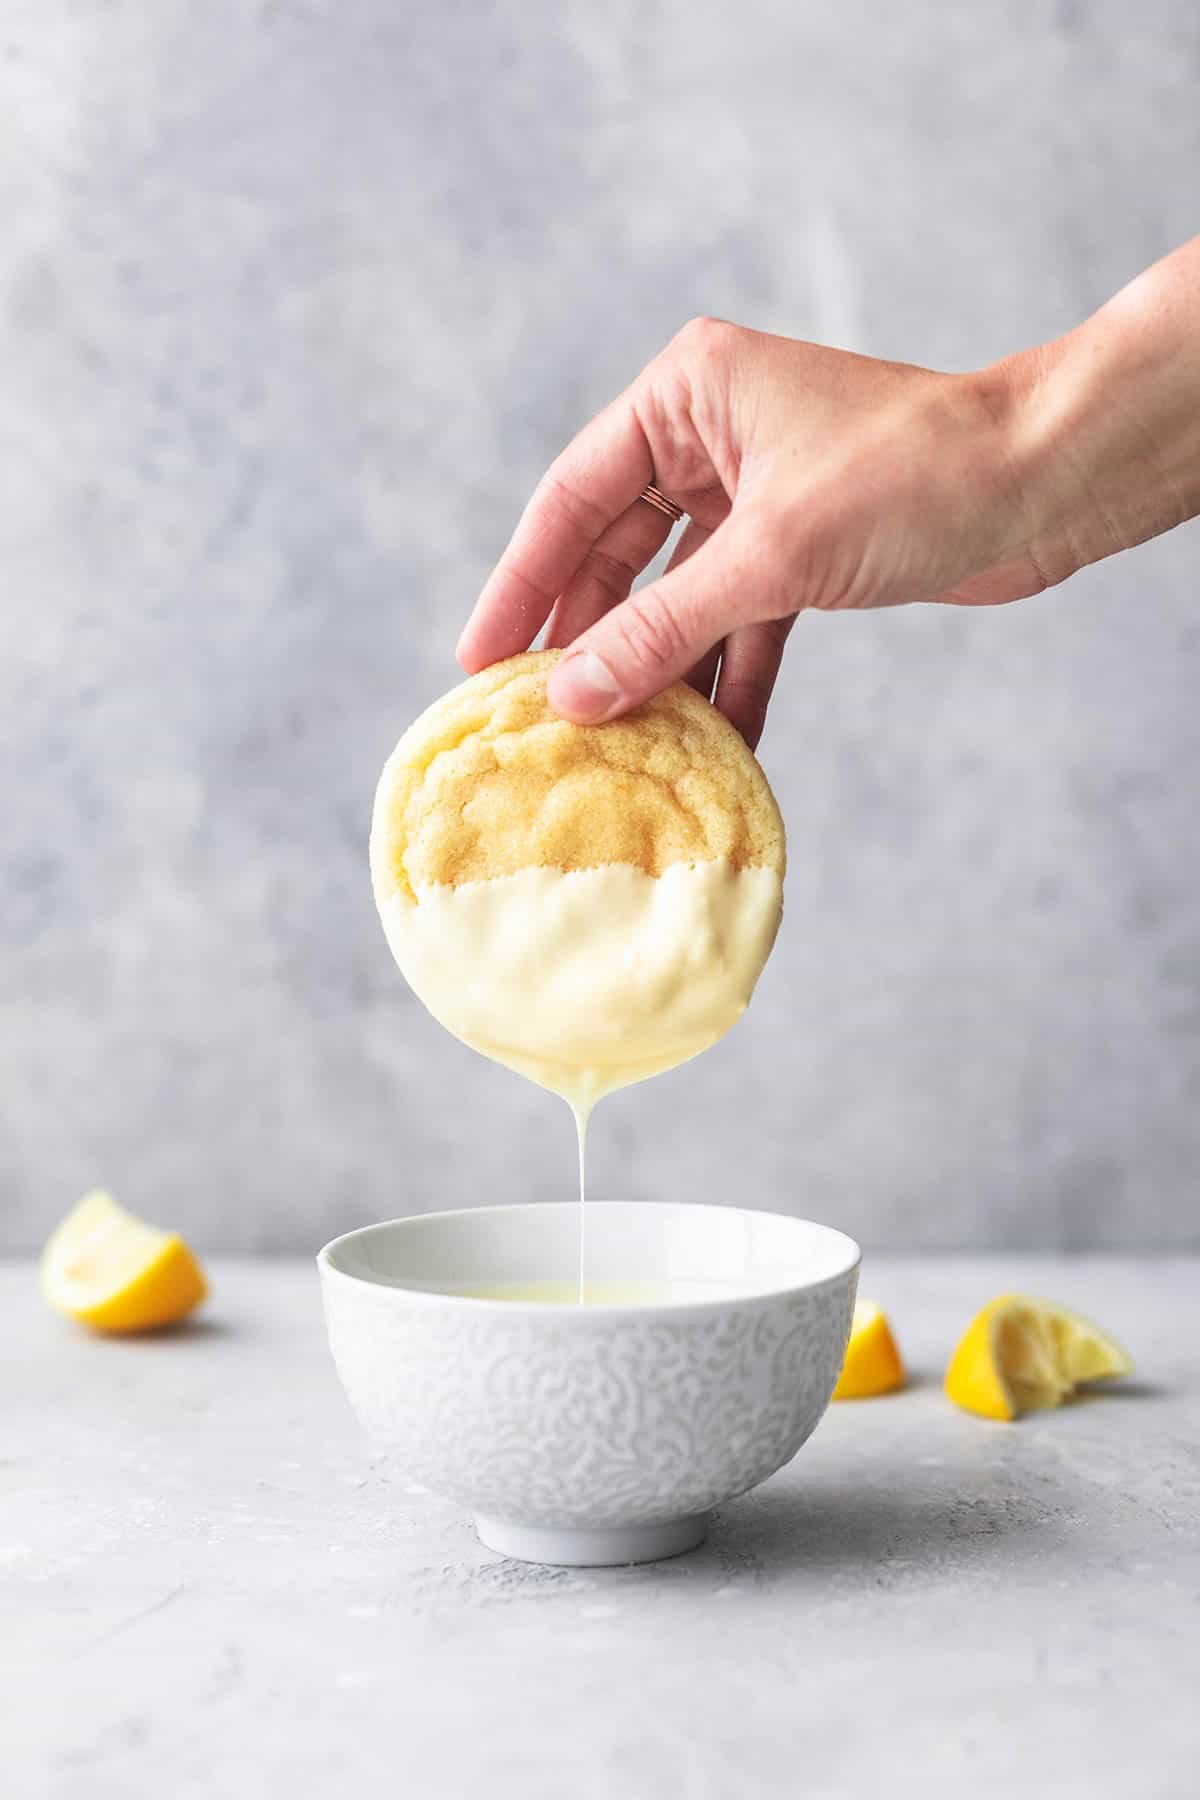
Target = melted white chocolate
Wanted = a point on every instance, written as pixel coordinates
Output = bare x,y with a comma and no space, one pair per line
589,980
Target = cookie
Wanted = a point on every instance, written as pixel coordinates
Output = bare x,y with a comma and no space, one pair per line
490,781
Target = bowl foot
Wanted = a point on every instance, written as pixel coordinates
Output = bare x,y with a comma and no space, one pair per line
577,1548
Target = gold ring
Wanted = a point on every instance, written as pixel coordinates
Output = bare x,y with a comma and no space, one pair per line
652,497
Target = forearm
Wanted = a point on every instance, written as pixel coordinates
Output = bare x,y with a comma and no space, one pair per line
1106,421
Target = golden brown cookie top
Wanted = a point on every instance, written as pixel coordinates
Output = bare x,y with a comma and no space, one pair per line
489,780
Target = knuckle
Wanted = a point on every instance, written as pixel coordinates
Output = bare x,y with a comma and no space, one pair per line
578,510
704,336
608,573
652,636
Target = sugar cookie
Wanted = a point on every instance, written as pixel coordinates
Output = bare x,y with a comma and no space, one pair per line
586,904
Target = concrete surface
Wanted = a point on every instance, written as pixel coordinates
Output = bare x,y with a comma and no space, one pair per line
211,1588
296,301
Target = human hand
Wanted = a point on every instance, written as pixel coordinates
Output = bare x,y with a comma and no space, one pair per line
811,477
814,478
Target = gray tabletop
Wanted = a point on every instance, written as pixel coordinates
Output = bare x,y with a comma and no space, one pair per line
211,1586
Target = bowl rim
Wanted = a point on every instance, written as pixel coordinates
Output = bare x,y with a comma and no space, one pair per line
563,1309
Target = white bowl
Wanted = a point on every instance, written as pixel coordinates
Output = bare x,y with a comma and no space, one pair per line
590,1434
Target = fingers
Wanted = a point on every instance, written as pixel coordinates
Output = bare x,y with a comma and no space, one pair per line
660,633
607,572
597,477
702,674
748,669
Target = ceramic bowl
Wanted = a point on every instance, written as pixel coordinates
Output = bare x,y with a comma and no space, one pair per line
602,1433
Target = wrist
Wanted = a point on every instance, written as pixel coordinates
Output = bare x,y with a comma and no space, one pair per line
1037,406
1101,428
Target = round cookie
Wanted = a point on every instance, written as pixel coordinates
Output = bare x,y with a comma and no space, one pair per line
490,781
589,905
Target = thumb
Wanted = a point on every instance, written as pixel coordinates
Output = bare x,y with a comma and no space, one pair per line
662,631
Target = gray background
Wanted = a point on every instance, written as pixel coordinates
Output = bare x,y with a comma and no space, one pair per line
297,300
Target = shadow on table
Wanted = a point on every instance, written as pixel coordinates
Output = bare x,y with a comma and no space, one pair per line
1121,1390
846,1528
182,1330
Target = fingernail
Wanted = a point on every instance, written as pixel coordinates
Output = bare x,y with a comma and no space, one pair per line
584,688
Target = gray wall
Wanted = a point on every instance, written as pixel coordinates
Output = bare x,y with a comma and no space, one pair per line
296,301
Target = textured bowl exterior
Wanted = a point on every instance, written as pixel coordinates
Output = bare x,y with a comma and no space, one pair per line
602,1417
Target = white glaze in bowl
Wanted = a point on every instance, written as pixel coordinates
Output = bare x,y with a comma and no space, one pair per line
591,1434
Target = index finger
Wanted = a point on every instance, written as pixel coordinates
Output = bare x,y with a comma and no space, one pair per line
593,481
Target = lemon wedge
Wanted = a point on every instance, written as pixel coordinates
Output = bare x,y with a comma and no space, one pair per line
873,1364
115,1273
1020,1355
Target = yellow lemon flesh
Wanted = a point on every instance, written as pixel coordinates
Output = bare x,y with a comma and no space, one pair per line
873,1364
116,1273
1021,1355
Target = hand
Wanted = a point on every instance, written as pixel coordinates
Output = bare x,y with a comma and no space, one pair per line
811,477
816,478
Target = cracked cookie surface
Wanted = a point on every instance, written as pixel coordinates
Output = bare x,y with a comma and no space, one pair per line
489,781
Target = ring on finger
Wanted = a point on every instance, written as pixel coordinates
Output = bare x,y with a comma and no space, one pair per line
654,497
